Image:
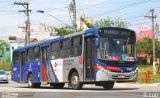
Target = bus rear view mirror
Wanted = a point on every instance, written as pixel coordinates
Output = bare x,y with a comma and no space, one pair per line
97,42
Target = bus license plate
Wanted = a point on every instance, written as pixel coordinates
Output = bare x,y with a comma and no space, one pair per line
121,76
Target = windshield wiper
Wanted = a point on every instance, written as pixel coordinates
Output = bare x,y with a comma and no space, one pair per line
126,43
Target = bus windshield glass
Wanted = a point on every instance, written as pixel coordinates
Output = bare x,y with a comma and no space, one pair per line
116,45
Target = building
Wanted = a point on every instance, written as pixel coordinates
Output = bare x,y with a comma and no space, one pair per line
38,33
81,25
145,32
5,55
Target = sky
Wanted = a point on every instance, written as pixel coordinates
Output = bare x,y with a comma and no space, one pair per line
130,11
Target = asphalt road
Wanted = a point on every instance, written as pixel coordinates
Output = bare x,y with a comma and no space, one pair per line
123,90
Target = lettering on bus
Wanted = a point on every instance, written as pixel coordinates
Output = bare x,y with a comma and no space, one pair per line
69,62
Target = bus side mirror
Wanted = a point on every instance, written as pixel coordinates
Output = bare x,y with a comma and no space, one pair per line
97,42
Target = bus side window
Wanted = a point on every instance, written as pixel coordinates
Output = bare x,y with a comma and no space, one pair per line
67,47
76,46
36,54
55,47
62,50
29,55
16,58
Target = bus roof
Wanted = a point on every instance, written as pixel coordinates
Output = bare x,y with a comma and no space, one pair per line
40,43
91,30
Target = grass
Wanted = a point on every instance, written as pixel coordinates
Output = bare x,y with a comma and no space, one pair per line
143,71
5,66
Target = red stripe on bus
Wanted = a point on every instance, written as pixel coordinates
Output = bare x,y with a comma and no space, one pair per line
44,73
107,68
80,60
96,68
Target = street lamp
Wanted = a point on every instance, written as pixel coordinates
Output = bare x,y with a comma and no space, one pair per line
41,11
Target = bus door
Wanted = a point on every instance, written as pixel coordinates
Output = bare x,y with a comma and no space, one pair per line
89,57
45,63
16,67
22,65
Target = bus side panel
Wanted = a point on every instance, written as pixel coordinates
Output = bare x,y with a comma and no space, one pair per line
57,72
62,68
33,68
36,71
15,76
70,63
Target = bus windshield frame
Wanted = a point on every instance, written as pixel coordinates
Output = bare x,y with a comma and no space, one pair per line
117,45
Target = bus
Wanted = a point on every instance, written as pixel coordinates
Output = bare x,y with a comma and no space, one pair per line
100,56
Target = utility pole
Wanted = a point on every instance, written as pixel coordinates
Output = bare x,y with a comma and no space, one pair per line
27,22
24,28
72,9
152,17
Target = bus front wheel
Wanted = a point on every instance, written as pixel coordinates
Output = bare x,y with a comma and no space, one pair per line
75,81
31,84
108,85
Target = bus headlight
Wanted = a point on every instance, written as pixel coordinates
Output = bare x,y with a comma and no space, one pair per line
135,70
101,68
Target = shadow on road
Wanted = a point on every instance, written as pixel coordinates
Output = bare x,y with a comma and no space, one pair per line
84,88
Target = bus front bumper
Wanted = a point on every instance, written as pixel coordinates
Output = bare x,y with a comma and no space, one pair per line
117,76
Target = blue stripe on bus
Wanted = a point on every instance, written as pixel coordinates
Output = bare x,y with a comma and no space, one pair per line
56,79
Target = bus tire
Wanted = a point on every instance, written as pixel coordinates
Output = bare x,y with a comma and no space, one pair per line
31,84
108,85
75,81
58,85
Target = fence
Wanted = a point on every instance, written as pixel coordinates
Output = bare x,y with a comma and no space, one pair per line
148,77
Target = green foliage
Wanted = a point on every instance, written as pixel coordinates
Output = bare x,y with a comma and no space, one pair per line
5,60
108,22
63,31
144,46
4,65
142,69
89,25
157,49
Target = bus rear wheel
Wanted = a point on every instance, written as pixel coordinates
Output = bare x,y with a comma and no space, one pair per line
31,84
58,85
75,81
108,85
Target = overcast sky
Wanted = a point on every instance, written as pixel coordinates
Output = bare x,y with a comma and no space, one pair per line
130,11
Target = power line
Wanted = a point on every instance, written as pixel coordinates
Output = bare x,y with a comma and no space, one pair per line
27,22
9,13
5,1
139,23
134,20
102,3
122,7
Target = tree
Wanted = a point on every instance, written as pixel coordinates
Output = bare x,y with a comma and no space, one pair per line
103,22
144,46
63,31
157,48
108,22
89,25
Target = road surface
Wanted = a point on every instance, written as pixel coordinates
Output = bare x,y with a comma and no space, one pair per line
123,90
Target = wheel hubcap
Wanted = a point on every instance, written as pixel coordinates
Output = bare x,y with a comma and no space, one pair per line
30,81
75,80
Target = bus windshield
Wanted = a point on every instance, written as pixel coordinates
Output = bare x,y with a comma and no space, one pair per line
116,45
